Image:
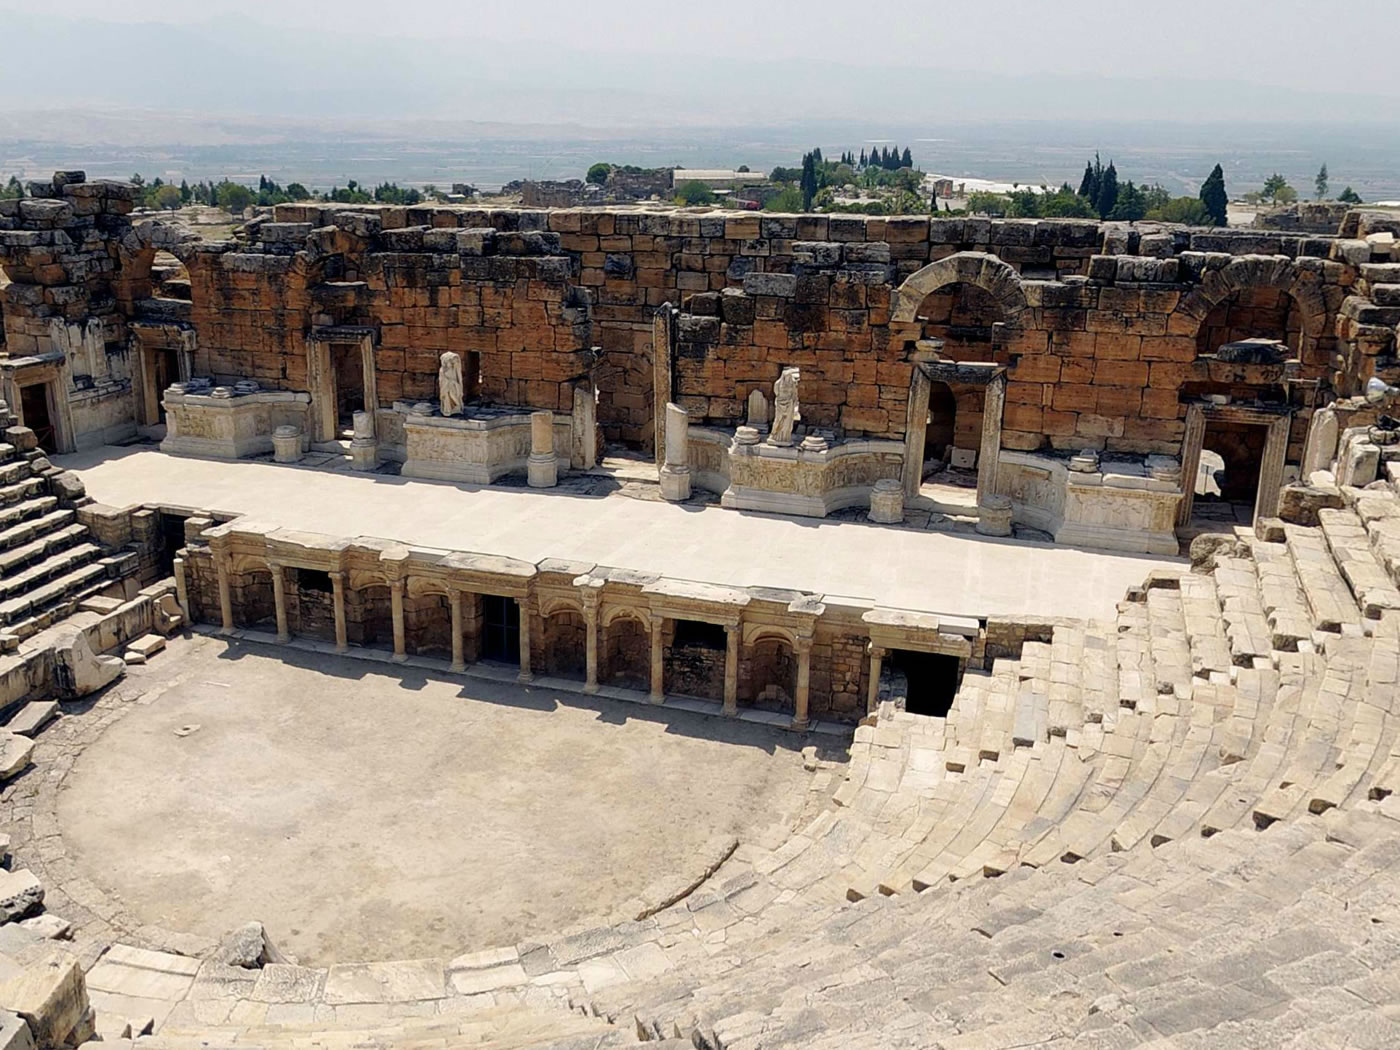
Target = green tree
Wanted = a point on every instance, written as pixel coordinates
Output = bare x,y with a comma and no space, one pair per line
1131,204
694,192
12,189
297,192
1214,197
993,204
167,197
233,195
808,184
1108,191
1320,182
1349,196
906,161
1272,185
1155,196
788,200
1286,195
862,157
598,173
1087,183
1190,211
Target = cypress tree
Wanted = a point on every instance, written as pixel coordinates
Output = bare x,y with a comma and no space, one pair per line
862,156
907,161
1086,184
1108,191
1213,196
809,180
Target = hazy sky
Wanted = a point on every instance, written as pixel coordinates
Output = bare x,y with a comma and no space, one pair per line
1302,43
780,59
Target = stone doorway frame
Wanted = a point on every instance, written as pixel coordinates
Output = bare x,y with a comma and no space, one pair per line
320,378
53,376
147,341
992,378
1199,414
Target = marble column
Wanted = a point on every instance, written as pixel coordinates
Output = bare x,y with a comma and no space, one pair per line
527,606
877,656
675,470
459,662
225,594
804,683
279,600
658,659
590,620
474,617
396,600
182,587
731,669
342,642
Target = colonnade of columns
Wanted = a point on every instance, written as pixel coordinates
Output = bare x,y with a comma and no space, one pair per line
592,610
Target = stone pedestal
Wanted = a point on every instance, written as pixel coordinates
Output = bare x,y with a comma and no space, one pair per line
675,471
286,444
542,468
887,502
994,516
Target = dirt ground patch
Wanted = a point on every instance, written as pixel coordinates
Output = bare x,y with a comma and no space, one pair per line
374,813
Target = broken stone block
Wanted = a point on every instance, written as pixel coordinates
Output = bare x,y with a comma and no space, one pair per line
32,717
147,645
21,894
78,670
168,616
1299,504
248,947
14,1032
1209,546
15,753
51,996
51,927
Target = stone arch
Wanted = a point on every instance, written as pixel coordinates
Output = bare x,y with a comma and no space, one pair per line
563,638
136,252
769,673
558,604
424,586
613,612
756,632
1246,272
981,269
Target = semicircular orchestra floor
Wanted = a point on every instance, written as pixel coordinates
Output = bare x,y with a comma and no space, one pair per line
364,812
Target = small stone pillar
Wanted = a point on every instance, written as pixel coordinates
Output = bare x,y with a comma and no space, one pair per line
286,444
590,619
872,694
279,601
342,641
658,659
804,676
542,467
887,502
225,595
994,515
731,669
675,471
459,663
527,612
364,449
396,604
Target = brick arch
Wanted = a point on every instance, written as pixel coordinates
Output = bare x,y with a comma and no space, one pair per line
994,276
136,251
1245,272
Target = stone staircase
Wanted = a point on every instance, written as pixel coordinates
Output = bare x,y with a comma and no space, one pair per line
1177,829
48,560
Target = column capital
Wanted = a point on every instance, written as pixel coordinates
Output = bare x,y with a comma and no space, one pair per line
804,644
337,575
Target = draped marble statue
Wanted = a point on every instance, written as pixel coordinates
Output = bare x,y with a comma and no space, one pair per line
785,414
450,384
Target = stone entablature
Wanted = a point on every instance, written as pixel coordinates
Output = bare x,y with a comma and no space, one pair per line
240,574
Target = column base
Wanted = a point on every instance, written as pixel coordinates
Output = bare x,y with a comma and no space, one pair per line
525,676
364,457
657,698
590,687
227,630
800,727
342,648
400,658
675,483
729,712
459,667
283,639
542,472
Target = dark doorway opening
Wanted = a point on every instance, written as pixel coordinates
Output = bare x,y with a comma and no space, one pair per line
166,362
932,680
942,421
348,365
500,629
34,406
172,540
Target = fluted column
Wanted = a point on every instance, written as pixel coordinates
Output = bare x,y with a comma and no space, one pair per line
342,642
225,594
458,658
396,601
804,683
731,669
279,600
877,656
658,659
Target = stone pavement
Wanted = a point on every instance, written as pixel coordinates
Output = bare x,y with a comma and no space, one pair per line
904,568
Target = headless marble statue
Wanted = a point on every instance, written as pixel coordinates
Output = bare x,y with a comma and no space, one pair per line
450,384
785,414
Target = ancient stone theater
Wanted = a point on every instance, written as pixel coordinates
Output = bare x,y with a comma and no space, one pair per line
452,626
